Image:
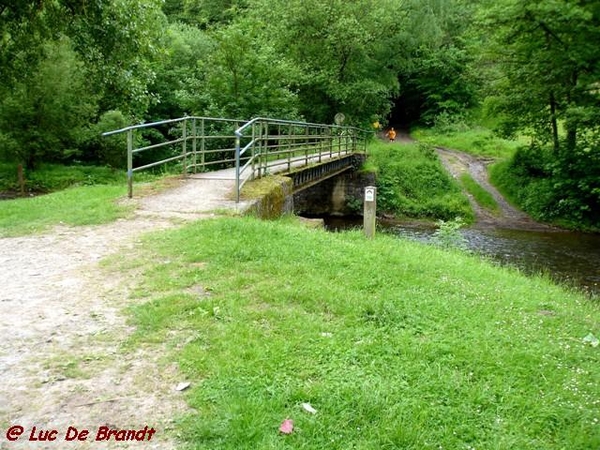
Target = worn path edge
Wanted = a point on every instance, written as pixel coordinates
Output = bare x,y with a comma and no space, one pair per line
62,357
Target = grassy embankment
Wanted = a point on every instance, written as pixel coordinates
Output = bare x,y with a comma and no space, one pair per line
481,196
396,344
412,183
87,205
77,195
531,178
85,195
477,141
526,180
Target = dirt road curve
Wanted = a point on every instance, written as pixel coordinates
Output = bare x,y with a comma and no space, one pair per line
509,218
62,360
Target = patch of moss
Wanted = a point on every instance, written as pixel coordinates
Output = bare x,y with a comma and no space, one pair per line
271,194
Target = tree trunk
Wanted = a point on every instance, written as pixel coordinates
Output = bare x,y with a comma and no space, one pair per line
30,161
571,126
554,122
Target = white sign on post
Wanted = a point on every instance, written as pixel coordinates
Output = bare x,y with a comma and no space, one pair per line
370,211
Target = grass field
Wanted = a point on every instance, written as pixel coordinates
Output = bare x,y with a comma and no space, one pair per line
475,140
395,344
481,196
87,205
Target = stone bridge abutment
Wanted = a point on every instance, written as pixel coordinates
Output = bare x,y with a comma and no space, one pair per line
332,188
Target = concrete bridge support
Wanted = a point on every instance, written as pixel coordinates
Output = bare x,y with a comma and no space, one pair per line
341,195
339,192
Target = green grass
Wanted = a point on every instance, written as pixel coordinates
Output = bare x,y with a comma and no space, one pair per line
478,141
481,196
87,205
54,177
395,344
412,182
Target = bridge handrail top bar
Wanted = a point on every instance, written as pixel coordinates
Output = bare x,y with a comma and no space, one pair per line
165,122
240,130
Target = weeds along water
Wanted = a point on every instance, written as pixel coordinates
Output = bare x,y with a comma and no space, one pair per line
393,343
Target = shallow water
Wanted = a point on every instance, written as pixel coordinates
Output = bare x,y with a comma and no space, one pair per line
568,257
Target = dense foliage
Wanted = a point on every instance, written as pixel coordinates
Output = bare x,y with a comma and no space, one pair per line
546,67
70,68
73,68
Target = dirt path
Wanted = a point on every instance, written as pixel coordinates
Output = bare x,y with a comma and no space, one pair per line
457,163
62,359
509,217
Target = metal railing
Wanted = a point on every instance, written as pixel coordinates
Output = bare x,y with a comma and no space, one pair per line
212,144
253,147
271,143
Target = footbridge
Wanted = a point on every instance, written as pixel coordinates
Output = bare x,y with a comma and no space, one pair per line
240,151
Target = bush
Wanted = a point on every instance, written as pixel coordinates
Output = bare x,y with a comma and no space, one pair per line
111,150
45,116
448,234
561,188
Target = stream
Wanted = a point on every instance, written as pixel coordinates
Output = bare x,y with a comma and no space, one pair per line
569,257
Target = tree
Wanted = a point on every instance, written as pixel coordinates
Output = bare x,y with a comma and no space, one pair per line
119,41
246,77
61,58
46,114
547,67
440,77
547,54
180,84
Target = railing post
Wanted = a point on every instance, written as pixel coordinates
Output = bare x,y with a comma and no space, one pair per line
237,166
318,132
253,152
130,163
289,157
278,138
265,149
194,155
306,144
184,147
202,144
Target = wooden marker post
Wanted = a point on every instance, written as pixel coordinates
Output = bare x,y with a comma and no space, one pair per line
369,214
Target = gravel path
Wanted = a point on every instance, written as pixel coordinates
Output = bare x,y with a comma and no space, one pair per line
62,359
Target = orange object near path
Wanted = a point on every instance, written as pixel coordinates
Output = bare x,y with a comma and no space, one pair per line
391,134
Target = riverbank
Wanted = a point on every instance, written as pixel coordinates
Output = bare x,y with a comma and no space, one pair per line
393,343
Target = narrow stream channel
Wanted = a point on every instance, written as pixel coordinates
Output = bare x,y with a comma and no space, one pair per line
568,257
